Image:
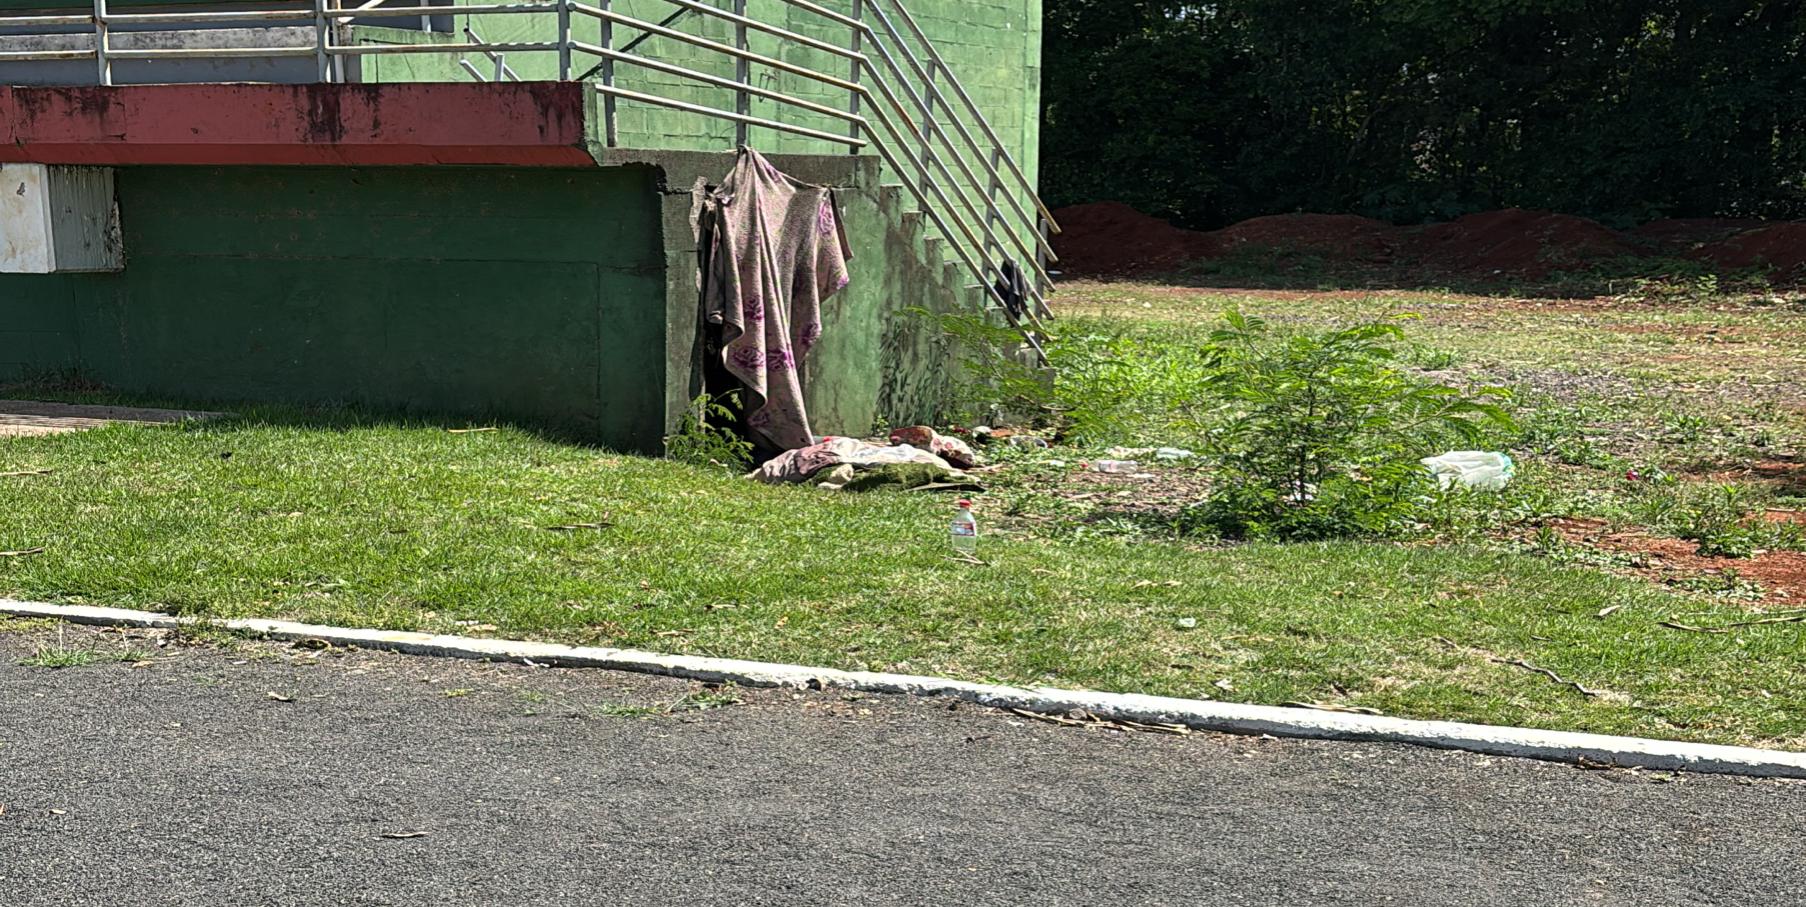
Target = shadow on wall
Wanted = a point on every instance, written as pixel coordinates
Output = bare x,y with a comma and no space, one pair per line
72,387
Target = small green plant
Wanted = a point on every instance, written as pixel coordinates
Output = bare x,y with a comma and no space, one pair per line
705,700
1725,523
1433,359
1718,523
1317,435
61,655
1103,386
705,438
1684,428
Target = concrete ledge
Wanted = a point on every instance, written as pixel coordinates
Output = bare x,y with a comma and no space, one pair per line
1222,717
525,124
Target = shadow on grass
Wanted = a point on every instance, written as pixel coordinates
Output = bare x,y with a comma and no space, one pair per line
73,387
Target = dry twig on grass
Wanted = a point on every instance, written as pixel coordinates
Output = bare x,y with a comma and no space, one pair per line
1726,628
1520,663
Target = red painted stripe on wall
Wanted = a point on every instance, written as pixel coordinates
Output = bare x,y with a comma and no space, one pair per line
526,124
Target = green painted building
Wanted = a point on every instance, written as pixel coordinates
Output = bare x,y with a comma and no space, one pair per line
418,237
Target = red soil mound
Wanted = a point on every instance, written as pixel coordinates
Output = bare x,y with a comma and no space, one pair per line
1345,237
1516,241
1680,234
1781,246
1111,238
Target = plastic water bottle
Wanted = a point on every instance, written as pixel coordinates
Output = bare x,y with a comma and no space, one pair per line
965,530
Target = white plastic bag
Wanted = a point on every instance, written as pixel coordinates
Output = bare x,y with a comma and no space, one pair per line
1472,469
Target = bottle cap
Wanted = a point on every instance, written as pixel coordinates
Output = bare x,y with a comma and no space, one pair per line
962,502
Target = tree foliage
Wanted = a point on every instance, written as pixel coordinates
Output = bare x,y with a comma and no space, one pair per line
1412,110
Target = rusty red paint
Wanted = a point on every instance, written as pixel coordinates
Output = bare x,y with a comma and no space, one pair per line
527,124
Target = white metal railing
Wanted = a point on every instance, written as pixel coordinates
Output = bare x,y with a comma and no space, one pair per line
902,100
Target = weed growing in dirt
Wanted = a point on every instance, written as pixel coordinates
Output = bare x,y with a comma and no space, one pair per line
59,655
1724,523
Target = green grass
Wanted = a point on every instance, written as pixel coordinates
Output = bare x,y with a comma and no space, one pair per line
347,520
58,655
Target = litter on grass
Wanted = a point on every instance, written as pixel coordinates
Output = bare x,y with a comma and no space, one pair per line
851,464
1472,469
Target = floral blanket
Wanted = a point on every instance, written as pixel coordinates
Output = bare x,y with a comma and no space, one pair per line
773,250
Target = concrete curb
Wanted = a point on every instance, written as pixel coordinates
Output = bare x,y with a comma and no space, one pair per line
1223,717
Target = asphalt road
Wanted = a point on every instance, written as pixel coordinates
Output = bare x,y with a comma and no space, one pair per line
270,775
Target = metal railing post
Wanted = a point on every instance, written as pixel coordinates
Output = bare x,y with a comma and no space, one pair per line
564,40
337,27
993,209
742,74
1043,282
322,59
611,127
103,64
928,127
857,45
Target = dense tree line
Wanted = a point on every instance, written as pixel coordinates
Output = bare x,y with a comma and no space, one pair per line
1413,110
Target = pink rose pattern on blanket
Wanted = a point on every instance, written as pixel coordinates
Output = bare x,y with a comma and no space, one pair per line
776,251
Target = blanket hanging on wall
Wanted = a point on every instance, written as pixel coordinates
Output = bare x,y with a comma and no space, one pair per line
773,249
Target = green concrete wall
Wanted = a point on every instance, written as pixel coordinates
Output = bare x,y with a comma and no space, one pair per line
994,46
877,362
535,295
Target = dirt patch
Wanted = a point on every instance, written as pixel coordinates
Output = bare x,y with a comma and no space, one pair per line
31,418
1678,235
1782,477
1342,237
1779,246
1780,574
1515,241
1112,239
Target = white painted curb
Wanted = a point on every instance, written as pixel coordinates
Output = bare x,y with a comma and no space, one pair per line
1224,717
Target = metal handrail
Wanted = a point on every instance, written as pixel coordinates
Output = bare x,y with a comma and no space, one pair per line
934,124
716,46
898,98
972,107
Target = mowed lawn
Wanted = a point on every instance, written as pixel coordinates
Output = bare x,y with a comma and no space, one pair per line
350,519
